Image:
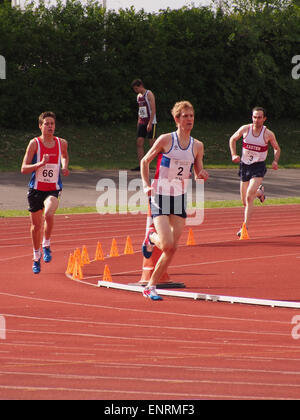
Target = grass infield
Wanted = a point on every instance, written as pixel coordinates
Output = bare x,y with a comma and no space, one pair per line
113,146
207,205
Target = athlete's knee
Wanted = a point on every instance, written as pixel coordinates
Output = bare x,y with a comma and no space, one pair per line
169,247
49,215
51,205
250,197
36,226
140,141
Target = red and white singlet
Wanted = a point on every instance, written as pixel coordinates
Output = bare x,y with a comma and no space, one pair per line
255,149
47,177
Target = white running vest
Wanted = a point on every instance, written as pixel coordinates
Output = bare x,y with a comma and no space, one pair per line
255,149
174,169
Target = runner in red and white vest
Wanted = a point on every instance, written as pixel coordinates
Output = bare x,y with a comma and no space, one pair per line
256,139
147,123
47,177
46,158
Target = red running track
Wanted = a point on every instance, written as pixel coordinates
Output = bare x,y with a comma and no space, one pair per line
66,340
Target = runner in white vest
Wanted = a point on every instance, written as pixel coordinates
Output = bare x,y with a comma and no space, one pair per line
177,154
256,139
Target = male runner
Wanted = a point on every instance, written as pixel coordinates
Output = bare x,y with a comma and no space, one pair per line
43,158
256,139
178,153
146,125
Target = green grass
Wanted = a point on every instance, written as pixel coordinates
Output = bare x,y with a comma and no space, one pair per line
113,146
207,205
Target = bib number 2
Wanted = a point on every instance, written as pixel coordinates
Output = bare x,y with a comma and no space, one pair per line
179,169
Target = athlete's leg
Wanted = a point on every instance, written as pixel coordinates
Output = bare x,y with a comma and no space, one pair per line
243,191
254,183
51,205
140,148
36,219
152,135
169,230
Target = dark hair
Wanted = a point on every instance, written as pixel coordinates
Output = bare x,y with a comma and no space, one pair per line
137,82
260,108
45,115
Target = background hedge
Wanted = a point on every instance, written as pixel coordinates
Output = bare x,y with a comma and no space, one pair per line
79,60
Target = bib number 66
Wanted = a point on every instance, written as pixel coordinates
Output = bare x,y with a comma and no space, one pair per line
48,173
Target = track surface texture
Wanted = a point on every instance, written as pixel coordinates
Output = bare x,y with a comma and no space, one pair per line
64,339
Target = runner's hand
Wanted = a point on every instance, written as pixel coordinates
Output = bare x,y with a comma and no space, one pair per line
203,174
147,189
236,159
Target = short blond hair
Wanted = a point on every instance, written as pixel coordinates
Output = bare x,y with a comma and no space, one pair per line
179,107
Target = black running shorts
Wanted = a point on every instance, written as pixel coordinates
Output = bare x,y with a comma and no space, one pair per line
255,170
164,205
36,199
142,131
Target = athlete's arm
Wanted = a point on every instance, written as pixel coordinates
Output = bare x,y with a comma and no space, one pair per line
200,173
162,145
64,158
272,140
151,100
28,167
232,143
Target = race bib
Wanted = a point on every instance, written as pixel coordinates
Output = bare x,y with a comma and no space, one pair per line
48,173
179,169
250,156
143,112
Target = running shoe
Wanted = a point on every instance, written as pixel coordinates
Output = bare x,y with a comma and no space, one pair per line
47,257
147,247
262,196
150,293
36,267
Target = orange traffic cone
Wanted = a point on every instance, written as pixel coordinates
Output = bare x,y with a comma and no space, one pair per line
77,256
191,239
85,259
244,233
71,263
114,249
99,253
106,274
77,272
128,246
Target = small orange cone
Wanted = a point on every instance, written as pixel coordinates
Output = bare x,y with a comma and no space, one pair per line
191,239
128,246
77,256
99,253
85,259
70,266
77,272
244,233
114,249
106,274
